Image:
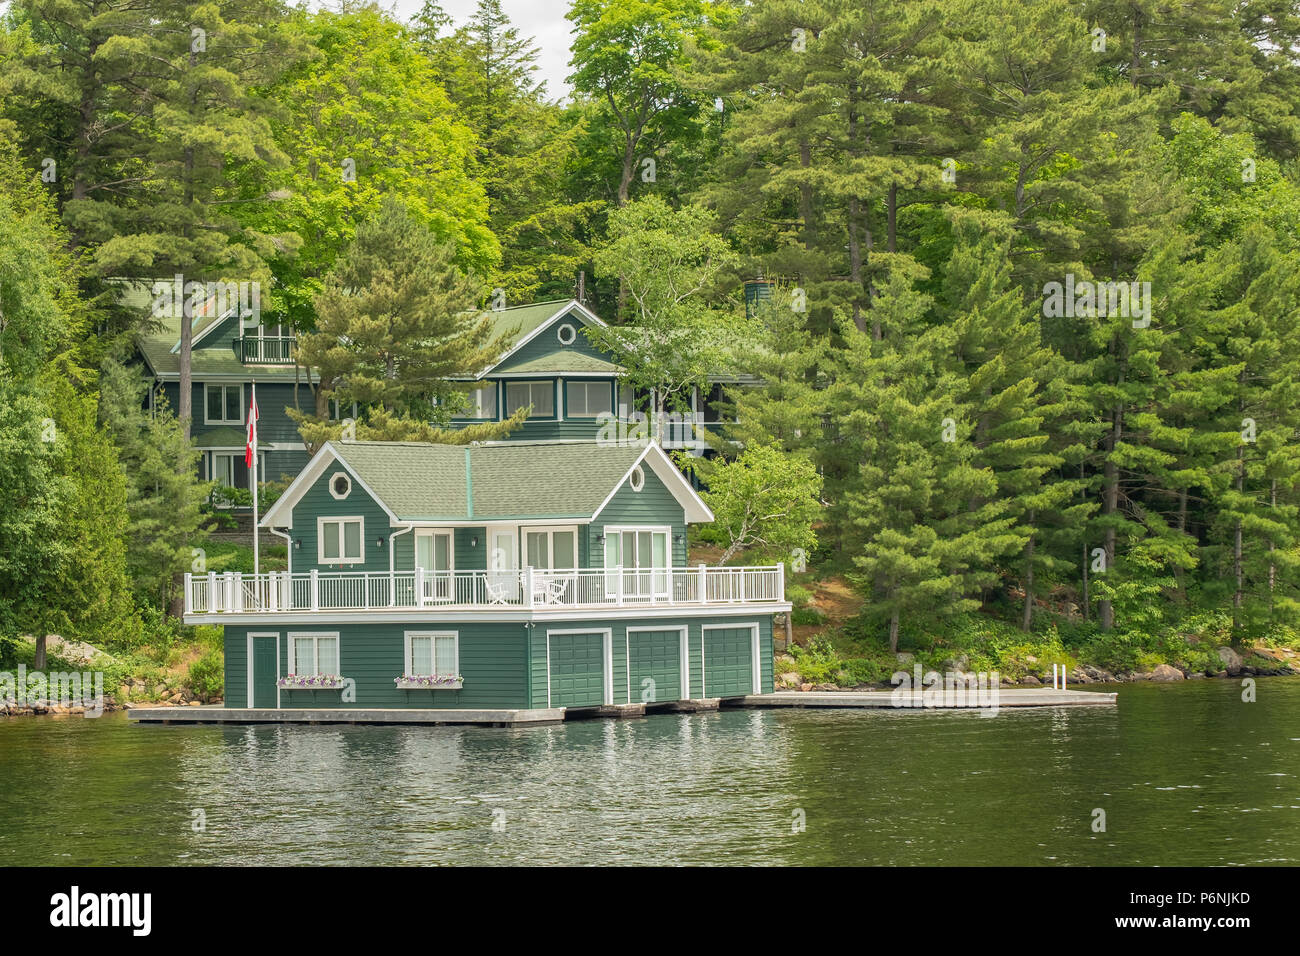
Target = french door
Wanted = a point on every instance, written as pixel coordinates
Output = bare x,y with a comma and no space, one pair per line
435,555
645,558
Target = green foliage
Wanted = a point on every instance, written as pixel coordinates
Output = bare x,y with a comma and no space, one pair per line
164,495
207,675
667,260
763,501
395,320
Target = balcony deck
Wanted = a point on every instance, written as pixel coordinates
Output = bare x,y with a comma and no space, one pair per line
527,589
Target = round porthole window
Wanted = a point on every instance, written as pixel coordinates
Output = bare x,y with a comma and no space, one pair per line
637,479
566,333
340,485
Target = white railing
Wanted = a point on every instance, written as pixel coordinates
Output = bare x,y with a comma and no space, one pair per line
233,593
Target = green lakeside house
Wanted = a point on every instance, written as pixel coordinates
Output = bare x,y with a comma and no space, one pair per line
504,576
547,362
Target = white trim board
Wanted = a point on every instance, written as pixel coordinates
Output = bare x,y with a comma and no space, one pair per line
572,305
306,478
482,615
694,508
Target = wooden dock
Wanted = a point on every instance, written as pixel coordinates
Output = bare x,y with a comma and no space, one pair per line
915,700
338,715
848,700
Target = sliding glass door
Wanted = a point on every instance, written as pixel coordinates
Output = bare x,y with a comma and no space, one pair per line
644,556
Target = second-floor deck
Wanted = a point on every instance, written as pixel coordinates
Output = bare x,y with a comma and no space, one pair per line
530,588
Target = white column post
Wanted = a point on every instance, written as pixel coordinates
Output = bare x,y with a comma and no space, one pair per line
212,592
315,589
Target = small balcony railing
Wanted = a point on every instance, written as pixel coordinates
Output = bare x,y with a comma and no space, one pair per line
266,349
233,593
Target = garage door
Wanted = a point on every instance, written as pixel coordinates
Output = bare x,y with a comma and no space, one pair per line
577,669
655,662
728,661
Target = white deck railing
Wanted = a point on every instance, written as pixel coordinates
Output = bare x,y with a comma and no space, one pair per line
233,593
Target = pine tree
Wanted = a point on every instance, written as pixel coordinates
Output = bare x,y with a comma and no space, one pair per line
164,495
396,321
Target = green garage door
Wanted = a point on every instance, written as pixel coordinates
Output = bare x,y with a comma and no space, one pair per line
655,659
728,661
577,670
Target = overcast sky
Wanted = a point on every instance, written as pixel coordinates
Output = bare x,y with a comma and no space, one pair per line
543,20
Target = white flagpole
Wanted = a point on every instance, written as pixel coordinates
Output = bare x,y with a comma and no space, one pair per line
253,477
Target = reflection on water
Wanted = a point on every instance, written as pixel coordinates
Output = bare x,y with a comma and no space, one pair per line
1185,774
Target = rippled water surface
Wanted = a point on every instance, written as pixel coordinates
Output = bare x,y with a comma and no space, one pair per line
1186,774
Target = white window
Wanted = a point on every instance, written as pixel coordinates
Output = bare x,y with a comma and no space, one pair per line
432,654
314,654
340,485
223,404
482,402
540,395
341,540
644,554
589,399
636,480
566,333
340,410
552,549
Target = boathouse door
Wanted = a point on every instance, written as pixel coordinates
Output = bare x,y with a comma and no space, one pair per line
263,670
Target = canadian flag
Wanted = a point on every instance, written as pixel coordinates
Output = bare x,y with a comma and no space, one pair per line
251,448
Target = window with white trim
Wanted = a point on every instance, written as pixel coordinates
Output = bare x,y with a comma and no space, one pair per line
314,654
432,654
338,410
481,403
223,404
341,540
589,399
228,470
540,394
340,485
552,549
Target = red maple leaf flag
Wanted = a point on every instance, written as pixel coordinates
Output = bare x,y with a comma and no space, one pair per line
251,448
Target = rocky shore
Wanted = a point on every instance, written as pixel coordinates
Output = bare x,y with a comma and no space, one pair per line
1264,662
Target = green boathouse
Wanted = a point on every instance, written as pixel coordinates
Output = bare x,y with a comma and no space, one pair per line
513,576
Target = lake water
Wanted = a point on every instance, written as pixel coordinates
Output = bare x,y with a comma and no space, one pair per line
1185,773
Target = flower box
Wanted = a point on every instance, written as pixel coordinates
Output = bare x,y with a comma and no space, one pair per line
425,682
311,682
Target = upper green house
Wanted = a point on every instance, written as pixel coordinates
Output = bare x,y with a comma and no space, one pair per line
547,363
526,576
228,355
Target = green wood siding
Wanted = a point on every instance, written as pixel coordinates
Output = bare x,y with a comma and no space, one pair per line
236,654
273,425
577,663
654,504
318,502
504,664
547,342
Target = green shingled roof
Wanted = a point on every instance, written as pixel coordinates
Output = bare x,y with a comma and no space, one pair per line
567,360
516,480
